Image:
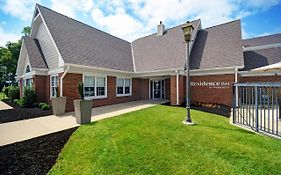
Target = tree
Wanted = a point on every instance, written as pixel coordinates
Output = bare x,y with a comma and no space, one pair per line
9,56
26,31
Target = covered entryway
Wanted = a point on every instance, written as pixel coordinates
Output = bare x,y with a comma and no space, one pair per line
157,89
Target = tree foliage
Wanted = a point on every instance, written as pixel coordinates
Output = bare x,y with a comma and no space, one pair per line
9,57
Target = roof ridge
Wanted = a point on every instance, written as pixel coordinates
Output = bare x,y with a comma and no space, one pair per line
81,22
222,24
265,36
166,29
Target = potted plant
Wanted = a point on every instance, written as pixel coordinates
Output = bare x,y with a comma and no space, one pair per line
58,103
83,108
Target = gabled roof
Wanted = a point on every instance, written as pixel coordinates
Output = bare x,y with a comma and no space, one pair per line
218,46
262,57
81,44
264,40
34,53
162,52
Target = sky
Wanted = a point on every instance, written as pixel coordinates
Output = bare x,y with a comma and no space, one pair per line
131,19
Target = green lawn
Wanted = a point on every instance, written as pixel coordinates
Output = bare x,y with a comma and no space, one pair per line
2,96
154,141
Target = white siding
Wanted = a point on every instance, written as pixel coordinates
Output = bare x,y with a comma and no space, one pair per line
48,47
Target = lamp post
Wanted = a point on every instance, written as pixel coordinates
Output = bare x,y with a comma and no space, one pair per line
187,31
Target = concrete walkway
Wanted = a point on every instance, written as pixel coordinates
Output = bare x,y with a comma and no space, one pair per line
4,106
17,131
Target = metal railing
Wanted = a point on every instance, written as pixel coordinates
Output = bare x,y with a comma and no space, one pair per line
258,106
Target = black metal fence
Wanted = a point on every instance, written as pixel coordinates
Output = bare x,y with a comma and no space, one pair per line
258,106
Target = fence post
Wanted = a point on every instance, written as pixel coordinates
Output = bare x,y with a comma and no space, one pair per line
234,104
256,109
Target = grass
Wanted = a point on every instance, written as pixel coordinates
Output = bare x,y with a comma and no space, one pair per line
2,96
154,141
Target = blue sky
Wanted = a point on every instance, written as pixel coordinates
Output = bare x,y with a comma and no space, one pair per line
130,19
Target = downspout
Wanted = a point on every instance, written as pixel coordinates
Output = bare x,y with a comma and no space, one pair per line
61,80
177,87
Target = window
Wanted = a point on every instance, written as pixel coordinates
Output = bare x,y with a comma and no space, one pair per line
123,86
28,82
94,86
53,86
27,69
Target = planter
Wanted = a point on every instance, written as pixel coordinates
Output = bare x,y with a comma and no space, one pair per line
58,105
83,111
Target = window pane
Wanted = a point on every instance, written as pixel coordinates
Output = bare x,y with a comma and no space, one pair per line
127,90
127,82
119,90
100,81
120,82
89,91
100,91
89,81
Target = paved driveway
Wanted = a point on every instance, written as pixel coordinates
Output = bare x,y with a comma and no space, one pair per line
4,106
17,131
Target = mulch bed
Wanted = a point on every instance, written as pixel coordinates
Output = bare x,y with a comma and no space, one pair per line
34,156
20,113
219,109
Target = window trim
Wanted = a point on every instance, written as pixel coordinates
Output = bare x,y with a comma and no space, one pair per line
124,94
54,75
95,87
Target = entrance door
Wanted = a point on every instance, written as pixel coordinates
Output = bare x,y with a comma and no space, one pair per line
156,89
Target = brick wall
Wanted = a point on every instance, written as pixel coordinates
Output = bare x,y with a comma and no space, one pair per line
173,90
40,83
213,94
261,79
70,81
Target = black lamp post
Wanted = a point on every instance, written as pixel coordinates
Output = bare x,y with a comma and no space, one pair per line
187,31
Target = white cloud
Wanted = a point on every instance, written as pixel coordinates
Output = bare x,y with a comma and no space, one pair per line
69,7
5,37
22,9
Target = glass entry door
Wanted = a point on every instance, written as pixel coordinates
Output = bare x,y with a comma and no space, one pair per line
156,89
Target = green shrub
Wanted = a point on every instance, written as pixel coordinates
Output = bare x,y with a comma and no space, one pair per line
81,90
14,93
20,102
6,90
41,104
45,107
29,97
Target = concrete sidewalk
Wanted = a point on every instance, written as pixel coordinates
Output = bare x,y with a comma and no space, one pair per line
17,131
4,106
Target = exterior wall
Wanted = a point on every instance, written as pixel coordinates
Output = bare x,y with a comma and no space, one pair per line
39,82
261,79
70,82
47,46
219,94
167,87
173,90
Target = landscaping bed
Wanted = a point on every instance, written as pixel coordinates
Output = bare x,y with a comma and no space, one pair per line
34,156
21,113
213,108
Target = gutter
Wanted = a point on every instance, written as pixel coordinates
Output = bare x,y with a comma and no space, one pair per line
61,80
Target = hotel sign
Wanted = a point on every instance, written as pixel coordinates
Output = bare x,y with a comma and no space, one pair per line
211,84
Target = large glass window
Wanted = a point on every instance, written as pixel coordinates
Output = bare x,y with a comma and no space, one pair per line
123,86
94,86
53,86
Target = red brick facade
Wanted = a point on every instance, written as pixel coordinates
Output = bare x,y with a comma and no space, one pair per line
139,91
208,89
207,92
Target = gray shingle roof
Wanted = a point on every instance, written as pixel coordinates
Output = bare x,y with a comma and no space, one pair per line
262,57
264,40
78,43
81,44
34,53
161,52
218,46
